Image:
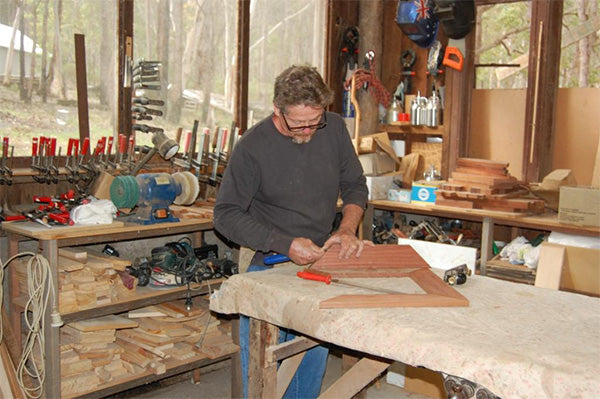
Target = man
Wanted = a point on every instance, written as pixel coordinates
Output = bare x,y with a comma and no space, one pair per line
280,191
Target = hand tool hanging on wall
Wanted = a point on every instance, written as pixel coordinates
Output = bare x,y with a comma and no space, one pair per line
349,55
408,59
6,171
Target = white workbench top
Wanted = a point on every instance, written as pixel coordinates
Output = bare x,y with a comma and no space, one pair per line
518,341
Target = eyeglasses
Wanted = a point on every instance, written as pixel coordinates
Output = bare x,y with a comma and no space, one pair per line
320,125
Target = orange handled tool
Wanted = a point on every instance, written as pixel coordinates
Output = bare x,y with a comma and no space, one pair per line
326,278
453,58
316,276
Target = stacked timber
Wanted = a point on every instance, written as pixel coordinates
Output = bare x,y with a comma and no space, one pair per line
486,184
146,341
170,330
86,279
89,355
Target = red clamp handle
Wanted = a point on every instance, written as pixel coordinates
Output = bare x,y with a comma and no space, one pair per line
85,146
326,278
122,144
70,147
53,146
34,146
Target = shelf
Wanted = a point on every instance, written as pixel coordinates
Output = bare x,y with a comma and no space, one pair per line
402,129
174,367
145,296
49,242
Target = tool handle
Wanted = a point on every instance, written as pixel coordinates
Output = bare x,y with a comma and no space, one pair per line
188,139
13,218
274,259
70,147
453,58
85,146
62,218
122,144
41,199
109,145
315,276
4,147
34,146
53,146
42,147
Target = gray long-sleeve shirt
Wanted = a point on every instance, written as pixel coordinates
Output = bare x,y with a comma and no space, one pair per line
275,190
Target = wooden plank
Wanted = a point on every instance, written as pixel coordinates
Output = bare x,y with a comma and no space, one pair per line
489,180
286,372
479,163
104,323
73,254
263,383
69,265
9,385
289,348
376,258
358,377
117,263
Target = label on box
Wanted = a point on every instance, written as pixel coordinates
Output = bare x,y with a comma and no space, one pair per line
423,194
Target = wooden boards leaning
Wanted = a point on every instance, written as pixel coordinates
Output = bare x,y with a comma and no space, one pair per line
387,261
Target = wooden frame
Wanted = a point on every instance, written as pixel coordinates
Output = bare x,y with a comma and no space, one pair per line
388,261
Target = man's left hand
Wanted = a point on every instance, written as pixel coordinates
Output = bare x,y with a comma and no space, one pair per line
350,244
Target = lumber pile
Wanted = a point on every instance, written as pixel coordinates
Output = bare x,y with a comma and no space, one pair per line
486,184
113,348
86,279
504,270
89,355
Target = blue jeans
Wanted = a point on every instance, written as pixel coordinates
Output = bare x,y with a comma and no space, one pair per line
306,383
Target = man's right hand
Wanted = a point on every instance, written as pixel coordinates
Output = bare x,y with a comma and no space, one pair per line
304,251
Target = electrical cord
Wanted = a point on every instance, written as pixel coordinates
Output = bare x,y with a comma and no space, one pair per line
40,286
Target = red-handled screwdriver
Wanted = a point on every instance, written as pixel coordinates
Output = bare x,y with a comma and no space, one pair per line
327,279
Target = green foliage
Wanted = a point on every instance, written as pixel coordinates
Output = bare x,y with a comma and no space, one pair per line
503,35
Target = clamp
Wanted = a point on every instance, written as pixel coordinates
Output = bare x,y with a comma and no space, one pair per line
408,59
457,275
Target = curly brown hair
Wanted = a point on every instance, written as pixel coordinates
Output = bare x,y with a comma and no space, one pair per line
301,85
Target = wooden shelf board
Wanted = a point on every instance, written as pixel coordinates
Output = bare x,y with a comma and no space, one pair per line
410,129
145,296
174,367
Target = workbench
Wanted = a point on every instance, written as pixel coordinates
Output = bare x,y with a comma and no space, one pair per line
50,240
516,340
488,220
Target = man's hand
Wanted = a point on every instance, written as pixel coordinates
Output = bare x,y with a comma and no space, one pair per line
350,244
304,251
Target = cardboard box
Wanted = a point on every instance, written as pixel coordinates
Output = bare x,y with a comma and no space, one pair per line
376,163
379,185
423,193
549,188
399,195
383,159
579,205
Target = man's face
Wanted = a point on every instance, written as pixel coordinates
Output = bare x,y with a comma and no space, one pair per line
300,122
